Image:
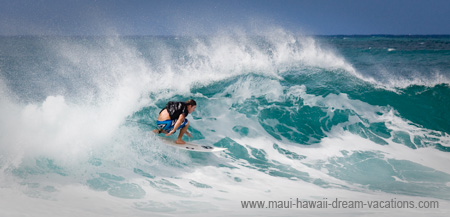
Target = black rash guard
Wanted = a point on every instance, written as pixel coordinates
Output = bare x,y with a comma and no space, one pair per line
175,109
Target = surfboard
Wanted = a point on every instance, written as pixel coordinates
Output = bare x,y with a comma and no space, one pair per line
190,146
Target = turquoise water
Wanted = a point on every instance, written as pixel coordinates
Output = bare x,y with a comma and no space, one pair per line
350,117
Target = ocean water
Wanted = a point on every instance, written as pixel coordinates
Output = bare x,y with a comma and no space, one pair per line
326,118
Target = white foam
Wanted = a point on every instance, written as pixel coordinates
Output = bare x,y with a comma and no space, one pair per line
436,78
248,87
113,85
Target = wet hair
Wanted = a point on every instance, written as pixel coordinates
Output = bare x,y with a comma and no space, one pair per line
191,102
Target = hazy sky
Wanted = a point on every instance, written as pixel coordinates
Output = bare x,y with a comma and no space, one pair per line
170,17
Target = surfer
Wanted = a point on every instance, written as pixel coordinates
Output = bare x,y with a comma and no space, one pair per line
173,118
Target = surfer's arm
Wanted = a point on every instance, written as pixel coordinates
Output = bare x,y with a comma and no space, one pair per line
177,124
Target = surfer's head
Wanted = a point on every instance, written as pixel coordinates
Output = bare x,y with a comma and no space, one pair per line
191,105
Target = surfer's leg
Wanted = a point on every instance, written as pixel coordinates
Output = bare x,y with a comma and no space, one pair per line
182,132
158,131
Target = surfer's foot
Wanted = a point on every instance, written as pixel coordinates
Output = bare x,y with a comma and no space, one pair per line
179,141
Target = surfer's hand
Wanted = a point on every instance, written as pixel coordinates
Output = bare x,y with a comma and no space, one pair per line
188,134
170,133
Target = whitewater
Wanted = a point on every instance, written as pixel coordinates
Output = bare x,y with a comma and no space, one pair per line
324,118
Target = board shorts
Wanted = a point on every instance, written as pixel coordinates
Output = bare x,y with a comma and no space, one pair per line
169,124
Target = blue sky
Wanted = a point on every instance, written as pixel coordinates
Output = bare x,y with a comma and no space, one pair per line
170,17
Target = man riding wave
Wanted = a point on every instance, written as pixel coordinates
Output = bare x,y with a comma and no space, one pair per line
173,118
